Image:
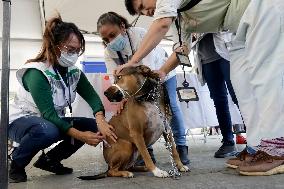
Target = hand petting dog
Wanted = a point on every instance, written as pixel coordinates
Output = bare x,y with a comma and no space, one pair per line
106,129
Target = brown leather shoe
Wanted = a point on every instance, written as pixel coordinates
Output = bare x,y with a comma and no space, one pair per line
262,164
241,159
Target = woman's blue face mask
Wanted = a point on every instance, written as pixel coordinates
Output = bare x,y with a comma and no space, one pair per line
118,43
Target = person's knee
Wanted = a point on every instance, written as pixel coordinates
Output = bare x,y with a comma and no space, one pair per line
45,132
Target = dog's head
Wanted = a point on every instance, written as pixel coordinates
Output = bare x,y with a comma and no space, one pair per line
131,82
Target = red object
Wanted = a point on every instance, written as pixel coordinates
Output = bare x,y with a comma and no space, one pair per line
106,83
241,139
106,77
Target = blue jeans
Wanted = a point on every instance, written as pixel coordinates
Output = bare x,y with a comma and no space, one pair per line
177,123
217,76
36,133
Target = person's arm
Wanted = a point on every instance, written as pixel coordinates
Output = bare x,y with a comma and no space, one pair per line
88,93
37,84
153,37
172,61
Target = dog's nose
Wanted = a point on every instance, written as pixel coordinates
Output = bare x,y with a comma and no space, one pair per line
107,94
113,94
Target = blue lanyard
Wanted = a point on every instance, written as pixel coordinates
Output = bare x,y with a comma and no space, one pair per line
64,87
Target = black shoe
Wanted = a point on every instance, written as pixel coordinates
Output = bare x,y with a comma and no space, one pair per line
47,164
140,161
17,174
183,154
226,150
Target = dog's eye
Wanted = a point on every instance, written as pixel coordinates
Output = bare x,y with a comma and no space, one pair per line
119,77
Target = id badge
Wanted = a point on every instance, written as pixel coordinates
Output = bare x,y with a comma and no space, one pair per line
183,59
186,94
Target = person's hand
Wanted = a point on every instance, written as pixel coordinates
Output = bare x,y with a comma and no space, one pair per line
119,68
161,74
106,129
91,138
120,106
183,49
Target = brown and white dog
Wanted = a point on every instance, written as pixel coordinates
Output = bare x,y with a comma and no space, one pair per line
140,124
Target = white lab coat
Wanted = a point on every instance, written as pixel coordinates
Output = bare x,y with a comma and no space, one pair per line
257,69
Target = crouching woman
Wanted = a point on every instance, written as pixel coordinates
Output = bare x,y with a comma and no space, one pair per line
48,86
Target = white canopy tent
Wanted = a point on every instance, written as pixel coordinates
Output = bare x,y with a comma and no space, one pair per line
85,13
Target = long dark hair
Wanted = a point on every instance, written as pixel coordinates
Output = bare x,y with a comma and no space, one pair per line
112,18
56,32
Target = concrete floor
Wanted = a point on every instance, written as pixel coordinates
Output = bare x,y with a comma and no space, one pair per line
207,172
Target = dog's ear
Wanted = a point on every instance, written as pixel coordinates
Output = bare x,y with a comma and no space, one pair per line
147,72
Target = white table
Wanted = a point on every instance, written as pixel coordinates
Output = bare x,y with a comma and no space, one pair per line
199,114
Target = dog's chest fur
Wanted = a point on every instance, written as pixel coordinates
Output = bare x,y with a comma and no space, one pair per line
155,123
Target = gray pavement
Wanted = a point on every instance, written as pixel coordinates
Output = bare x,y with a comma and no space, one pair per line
207,172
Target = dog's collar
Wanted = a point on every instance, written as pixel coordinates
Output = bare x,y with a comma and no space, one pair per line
126,94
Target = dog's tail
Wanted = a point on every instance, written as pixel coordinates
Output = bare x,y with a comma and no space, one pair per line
94,177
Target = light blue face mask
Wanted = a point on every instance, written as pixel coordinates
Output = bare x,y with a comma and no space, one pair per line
66,60
118,43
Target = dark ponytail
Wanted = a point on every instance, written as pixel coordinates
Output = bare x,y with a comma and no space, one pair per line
56,32
112,18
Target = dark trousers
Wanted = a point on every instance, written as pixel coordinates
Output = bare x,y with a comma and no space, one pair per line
35,133
217,76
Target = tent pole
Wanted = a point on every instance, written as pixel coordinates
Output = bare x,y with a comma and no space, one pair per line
5,94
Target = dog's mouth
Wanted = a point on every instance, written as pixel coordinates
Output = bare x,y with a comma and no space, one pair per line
113,94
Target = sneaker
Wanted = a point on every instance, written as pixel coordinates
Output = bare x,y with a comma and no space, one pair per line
183,154
225,151
242,158
240,139
47,164
263,164
17,174
140,161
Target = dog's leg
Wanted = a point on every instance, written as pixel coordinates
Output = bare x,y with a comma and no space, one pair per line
180,166
118,158
114,172
140,144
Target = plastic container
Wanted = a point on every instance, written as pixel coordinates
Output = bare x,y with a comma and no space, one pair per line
93,67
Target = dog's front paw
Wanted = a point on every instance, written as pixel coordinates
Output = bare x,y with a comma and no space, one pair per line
184,168
160,173
128,174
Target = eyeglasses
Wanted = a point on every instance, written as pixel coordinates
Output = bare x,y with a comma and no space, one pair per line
71,51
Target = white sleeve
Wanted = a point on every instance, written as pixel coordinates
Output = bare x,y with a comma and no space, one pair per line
220,39
166,8
110,63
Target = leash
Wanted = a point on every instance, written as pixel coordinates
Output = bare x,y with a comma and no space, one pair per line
174,172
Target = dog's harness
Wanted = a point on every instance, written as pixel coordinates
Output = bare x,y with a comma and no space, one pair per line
126,94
